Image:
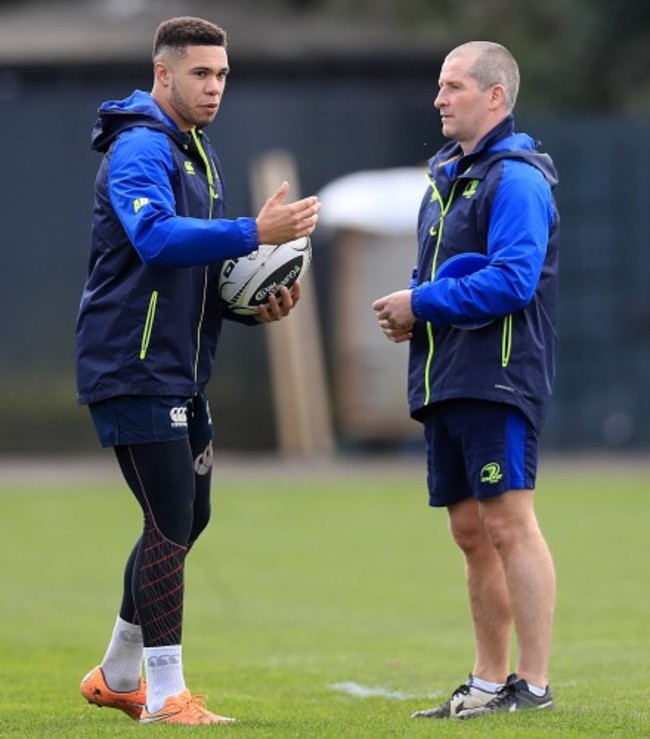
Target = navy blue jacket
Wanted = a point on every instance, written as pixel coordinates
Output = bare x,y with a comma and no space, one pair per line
150,317
496,201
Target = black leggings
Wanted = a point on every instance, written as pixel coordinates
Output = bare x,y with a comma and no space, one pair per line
175,501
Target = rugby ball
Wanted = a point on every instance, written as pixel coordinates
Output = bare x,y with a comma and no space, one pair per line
459,266
246,283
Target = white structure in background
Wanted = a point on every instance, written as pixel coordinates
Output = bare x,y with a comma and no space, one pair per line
373,218
378,201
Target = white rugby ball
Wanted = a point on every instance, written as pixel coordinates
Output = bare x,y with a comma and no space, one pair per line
247,282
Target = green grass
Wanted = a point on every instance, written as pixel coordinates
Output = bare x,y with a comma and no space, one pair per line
303,583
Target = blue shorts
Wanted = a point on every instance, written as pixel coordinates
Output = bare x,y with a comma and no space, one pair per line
142,419
478,448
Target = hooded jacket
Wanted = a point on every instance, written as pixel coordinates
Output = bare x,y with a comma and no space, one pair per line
496,201
150,317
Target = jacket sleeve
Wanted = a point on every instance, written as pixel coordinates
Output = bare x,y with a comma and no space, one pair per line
140,190
519,224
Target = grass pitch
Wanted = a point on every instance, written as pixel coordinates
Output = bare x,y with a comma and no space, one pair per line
324,605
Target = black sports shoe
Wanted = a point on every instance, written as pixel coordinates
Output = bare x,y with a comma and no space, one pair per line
465,697
513,696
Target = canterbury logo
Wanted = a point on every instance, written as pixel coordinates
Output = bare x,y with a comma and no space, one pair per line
491,473
139,203
130,638
178,416
163,660
189,167
203,462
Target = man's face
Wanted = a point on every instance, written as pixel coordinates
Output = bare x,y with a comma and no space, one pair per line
195,85
464,108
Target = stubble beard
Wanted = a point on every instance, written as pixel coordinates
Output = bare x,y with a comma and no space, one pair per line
186,112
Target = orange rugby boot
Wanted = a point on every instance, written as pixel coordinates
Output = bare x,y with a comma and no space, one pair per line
94,689
184,709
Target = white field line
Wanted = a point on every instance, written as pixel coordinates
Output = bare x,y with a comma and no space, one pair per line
365,691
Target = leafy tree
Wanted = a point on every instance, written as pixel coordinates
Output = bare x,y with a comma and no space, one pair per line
580,54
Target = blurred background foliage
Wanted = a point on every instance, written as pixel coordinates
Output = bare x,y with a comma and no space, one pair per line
581,54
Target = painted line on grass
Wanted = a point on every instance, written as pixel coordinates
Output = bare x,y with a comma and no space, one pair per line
365,691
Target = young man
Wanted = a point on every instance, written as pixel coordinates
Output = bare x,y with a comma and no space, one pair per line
148,326
482,394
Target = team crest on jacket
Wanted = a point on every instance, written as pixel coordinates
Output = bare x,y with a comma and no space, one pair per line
470,189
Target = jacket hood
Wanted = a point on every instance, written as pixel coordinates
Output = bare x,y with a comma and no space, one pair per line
500,143
522,146
139,109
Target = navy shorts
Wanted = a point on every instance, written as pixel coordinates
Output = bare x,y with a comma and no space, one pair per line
142,419
478,448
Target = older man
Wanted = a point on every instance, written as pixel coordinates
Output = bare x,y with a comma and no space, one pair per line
482,366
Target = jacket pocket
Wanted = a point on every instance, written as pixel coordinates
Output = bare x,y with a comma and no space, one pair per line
148,324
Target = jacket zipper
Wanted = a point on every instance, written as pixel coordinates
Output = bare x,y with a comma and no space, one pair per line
148,324
208,170
213,195
506,340
444,208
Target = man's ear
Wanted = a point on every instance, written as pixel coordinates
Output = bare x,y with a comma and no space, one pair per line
497,97
162,73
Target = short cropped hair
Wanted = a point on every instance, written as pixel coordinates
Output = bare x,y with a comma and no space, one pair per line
494,65
176,34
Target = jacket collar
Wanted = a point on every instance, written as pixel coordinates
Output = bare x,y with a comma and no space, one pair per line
454,153
498,133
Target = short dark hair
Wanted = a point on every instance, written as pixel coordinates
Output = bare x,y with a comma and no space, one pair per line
494,65
177,33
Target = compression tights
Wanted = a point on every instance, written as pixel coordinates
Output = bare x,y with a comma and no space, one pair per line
175,502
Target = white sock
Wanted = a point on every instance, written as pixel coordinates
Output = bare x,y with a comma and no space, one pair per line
485,685
164,668
539,692
122,663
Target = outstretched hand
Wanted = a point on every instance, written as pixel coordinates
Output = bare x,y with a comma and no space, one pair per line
279,222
